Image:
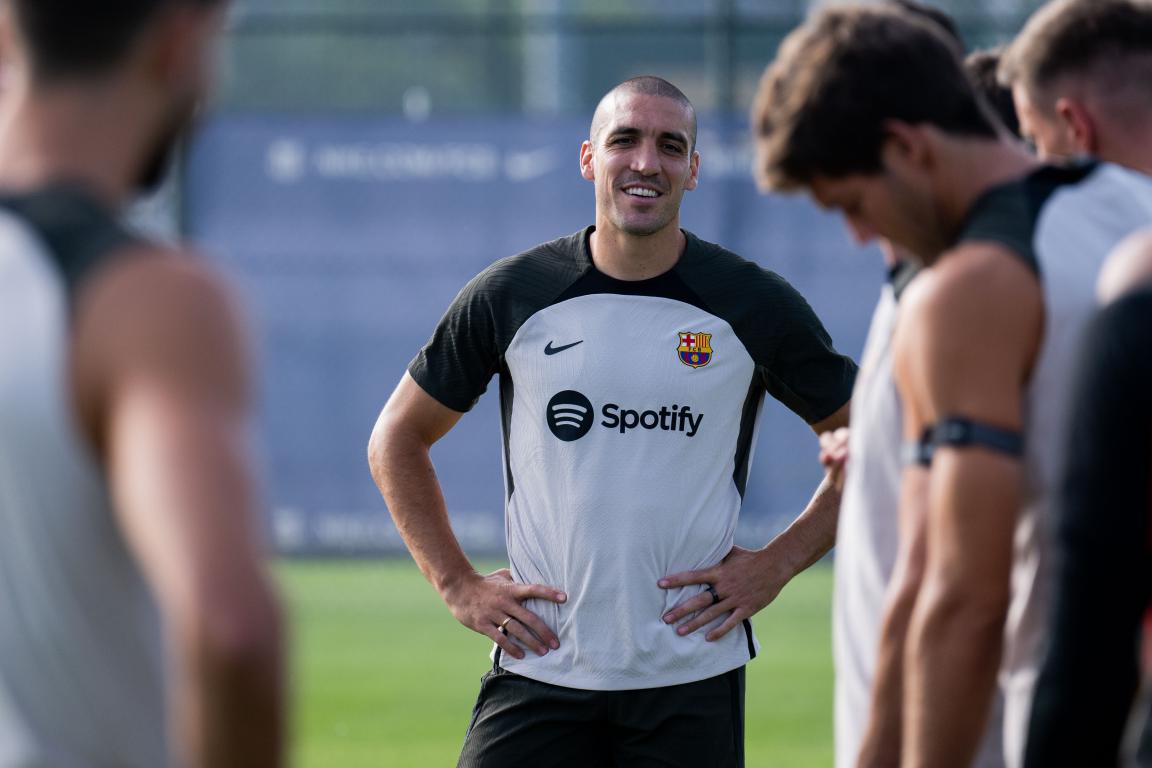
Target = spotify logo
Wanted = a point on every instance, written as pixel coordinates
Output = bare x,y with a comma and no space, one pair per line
569,415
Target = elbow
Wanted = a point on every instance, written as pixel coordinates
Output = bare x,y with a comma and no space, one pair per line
379,447
238,636
387,437
952,610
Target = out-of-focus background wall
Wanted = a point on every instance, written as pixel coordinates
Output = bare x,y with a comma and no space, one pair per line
365,158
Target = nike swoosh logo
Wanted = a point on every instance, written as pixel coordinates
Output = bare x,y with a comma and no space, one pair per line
551,350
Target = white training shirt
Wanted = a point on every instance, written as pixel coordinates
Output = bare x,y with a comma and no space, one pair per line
630,412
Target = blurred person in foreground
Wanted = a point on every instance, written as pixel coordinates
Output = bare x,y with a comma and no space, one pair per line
1086,710
868,536
871,112
633,359
137,623
1080,73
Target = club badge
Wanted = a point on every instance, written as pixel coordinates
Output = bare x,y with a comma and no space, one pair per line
695,350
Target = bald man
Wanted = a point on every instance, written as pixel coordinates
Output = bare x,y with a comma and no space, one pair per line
633,359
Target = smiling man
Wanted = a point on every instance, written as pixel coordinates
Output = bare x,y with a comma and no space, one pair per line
633,359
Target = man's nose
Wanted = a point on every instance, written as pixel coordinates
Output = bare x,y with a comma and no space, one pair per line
862,233
645,159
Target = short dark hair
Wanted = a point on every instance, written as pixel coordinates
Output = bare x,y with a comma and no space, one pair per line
823,103
933,14
650,85
67,39
1075,37
982,67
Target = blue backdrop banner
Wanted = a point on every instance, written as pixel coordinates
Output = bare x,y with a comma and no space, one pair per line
347,237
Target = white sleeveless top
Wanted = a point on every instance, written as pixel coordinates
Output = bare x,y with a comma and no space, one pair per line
81,673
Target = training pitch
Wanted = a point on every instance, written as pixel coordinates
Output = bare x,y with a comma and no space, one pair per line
382,674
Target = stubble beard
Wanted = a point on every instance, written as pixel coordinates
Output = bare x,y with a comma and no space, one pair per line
161,156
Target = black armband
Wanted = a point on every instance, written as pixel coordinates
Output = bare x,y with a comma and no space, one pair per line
919,452
959,432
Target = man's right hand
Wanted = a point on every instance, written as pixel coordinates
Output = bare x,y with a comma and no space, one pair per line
493,605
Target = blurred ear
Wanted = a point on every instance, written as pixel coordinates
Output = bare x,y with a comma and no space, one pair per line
587,165
179,48
1079,123
907,147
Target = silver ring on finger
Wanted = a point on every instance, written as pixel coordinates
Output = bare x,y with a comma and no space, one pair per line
712,591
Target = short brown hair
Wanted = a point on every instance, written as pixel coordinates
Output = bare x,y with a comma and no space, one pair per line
1076,37
66,39
823,103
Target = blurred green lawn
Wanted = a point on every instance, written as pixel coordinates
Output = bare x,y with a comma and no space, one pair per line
384,676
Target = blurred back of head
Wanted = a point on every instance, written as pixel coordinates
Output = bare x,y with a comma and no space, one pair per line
933,15
823,104
66,40
982,67
1108,42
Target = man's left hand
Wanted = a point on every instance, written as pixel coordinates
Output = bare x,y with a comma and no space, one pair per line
744,583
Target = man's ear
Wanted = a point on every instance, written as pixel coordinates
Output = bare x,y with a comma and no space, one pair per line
907,145
587,161
694,173
178,47
1080,124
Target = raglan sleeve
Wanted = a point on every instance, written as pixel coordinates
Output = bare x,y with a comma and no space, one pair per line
796,360
464,352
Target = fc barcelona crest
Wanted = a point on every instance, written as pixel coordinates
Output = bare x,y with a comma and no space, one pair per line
695,349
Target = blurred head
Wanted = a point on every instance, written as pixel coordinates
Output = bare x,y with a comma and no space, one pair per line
982,67
855,109
167,44
933,15
1076,66
641,155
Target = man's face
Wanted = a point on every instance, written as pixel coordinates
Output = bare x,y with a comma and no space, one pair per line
641,160
883,206
1044,129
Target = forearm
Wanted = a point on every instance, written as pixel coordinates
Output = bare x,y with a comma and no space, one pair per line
811,535
951,662
882,739
231,711
402,467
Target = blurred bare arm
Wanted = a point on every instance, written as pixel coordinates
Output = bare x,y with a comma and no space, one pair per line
978,326
162,387
882,738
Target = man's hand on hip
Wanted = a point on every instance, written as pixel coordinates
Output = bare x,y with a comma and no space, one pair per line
493,605
741,585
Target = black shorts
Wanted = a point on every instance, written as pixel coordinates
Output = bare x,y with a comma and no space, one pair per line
523,722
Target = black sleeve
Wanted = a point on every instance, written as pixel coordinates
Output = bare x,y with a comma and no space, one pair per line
801,368
795,360
1084,693
464,353
467,348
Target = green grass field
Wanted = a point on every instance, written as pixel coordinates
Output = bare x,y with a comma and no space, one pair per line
384,676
